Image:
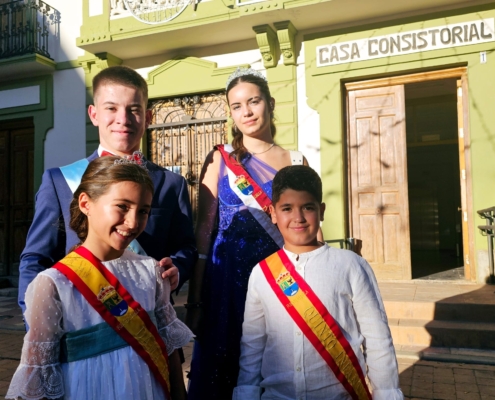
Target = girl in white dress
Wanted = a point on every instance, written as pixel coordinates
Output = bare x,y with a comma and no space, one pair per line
69,351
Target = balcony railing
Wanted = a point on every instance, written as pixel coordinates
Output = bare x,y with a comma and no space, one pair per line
25,27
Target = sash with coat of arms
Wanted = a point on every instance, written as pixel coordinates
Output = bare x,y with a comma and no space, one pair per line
250,193
315,321
116,306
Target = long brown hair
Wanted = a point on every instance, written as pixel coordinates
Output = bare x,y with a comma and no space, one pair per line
96,181
237,143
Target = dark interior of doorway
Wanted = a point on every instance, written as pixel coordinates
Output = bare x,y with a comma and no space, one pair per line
433,180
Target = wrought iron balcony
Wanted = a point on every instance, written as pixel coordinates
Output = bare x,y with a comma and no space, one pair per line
25,27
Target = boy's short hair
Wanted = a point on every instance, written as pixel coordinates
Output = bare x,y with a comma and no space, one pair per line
297,177
120,75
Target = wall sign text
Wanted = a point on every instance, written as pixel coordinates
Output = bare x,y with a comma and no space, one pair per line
442,37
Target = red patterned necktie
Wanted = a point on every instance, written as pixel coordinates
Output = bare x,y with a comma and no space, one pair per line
106,153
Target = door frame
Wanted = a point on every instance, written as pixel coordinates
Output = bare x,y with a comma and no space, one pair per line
459,73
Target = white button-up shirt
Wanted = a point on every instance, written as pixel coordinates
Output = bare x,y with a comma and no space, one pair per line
277,357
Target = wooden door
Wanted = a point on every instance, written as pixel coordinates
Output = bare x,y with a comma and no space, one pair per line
17,196
378,194
461,123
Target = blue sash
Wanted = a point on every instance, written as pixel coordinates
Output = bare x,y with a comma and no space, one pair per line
73,174
91,342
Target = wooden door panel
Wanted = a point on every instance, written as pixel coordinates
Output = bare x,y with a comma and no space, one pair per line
363,145
21,209
379,212
16,196
387,139
391,230
367,228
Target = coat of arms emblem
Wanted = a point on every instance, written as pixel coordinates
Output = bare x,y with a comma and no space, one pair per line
112,301
287,283
243,185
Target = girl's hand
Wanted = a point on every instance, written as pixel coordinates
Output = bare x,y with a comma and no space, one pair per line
171,272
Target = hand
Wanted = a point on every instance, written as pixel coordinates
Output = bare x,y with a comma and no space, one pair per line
171,272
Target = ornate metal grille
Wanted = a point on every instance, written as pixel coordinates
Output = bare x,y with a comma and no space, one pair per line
151,11
24,27
183,131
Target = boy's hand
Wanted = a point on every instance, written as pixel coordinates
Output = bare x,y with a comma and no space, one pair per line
171,272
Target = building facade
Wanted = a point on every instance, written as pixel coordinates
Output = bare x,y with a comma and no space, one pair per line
390,102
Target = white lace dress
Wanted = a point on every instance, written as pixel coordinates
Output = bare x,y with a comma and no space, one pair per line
55,307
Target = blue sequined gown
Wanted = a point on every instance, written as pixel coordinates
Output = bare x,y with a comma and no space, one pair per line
239,244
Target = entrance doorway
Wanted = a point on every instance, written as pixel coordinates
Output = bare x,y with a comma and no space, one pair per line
16,194
435,217
408,175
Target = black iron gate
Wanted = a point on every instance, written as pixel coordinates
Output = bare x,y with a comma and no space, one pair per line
183,131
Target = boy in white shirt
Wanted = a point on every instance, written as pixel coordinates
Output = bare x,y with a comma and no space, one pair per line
314,325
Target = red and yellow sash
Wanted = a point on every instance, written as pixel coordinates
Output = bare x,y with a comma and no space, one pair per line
244,182
314,320
117,307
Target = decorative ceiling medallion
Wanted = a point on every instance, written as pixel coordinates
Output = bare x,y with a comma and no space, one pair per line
156,11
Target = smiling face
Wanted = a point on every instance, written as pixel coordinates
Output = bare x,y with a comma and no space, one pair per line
120,114
298,215
116,218
249,109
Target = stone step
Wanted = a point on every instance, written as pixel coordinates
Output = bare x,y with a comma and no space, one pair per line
446,354
441,311
433,333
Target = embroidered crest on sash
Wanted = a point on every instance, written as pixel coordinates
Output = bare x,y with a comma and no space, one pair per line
315,321
112,301
244,186
117,307
287,283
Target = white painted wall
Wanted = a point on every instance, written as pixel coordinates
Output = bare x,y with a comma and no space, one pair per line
62,46
20,97
308,120
66,142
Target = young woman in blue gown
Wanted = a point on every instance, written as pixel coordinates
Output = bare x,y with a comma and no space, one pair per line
230,240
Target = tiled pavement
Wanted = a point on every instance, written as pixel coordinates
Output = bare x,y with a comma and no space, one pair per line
450,381
419,379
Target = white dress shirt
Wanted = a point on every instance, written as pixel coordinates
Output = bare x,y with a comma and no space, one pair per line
277,357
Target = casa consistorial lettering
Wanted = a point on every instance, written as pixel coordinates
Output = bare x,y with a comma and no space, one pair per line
442,37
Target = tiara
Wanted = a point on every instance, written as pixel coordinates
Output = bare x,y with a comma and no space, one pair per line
241,72
136,158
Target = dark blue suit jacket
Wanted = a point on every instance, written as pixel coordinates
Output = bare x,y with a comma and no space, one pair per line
168,233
